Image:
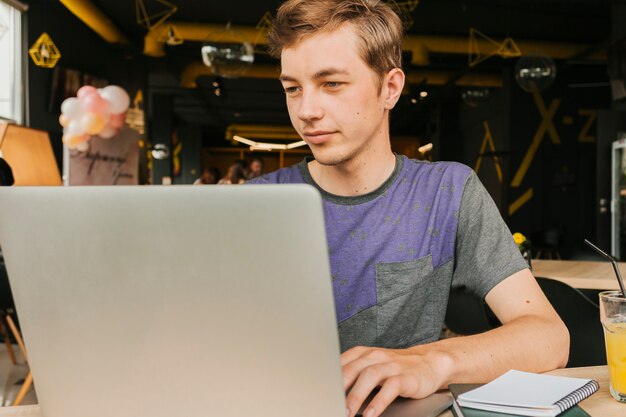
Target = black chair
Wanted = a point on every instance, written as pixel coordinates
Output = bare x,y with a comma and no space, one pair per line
467,313
547,244
582,318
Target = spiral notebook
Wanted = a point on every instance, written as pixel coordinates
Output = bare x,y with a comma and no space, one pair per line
529,394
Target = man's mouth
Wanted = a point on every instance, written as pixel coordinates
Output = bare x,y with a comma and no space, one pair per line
317,137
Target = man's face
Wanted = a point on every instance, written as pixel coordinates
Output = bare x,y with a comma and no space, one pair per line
333,96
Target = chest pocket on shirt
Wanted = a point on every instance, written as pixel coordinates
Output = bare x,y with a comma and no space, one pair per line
403,291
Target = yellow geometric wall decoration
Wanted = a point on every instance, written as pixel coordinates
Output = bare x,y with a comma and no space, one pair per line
520,201
409,5
265,23
406,7
509,49
159,12
475,55
586,134
44,52
506,49
546,127
488,141
263,27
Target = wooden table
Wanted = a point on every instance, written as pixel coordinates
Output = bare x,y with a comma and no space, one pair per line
600,404
580,274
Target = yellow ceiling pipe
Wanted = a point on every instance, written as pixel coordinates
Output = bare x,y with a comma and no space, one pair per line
419,45
199,32
196,69
86,11
422,45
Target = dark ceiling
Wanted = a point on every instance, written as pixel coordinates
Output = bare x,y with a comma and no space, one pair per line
565,20
260,100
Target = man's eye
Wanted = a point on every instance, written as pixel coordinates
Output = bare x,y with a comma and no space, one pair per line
291,90
333,84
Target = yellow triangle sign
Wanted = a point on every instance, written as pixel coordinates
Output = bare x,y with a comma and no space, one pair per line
509,49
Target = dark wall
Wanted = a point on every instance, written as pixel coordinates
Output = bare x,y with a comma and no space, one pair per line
563,170
479,122
560,176
81,49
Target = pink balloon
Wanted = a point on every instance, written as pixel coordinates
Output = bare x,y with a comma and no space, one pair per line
64,120
117,97
74,140
82,146
92,123
74,128
94,103
117,120
71,108
85,90
108,132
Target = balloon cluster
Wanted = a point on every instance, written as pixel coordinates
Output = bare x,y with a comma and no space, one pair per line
94,111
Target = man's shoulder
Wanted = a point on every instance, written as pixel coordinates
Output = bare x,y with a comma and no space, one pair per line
437,171
288,175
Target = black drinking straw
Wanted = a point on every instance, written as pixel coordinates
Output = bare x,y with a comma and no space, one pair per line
613,262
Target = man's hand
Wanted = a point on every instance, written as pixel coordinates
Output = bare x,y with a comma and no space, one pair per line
399,372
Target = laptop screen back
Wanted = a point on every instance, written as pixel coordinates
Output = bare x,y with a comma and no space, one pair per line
166,301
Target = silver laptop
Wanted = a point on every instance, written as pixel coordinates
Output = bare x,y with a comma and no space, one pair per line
174,301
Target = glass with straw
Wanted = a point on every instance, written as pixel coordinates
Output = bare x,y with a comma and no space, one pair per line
613,318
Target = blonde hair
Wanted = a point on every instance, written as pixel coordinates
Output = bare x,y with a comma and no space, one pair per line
375,23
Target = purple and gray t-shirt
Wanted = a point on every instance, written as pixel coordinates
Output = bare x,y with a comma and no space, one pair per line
396,252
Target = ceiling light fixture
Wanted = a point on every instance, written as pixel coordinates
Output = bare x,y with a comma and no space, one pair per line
264,146
535,72
473,96
227,54
425,148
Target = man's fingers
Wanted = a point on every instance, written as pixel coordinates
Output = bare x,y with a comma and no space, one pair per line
366,358
390,390
352,354
368,379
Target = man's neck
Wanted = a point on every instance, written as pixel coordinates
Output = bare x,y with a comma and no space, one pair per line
354,177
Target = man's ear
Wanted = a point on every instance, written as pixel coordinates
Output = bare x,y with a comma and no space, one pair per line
393,83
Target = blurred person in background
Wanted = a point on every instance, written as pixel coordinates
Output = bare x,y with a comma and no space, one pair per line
209,176
257,166
235,175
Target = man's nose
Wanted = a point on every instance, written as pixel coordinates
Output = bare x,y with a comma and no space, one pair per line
310,107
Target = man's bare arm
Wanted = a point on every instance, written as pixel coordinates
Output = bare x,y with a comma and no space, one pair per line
532,338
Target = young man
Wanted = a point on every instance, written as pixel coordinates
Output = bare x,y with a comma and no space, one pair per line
400,232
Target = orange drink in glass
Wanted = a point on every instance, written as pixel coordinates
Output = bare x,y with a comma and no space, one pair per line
613,318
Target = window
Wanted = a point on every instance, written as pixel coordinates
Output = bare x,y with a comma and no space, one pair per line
11,83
